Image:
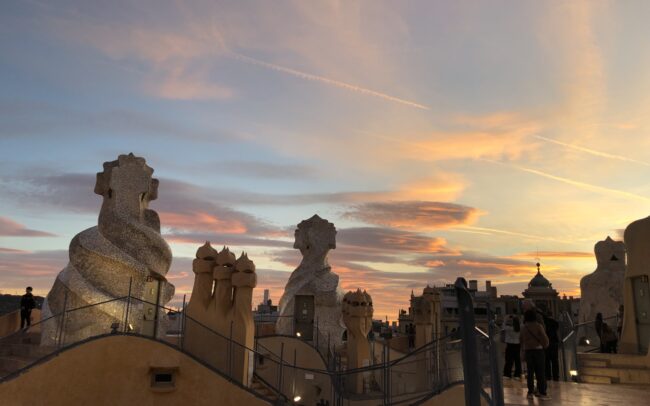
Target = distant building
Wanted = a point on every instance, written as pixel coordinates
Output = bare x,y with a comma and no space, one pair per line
547,299
540,290
449,306
266,315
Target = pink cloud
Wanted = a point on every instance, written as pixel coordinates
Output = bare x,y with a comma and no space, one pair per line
11,228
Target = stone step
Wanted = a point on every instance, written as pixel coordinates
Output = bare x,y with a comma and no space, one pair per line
633,376
598,363
595,379
263,390
615,360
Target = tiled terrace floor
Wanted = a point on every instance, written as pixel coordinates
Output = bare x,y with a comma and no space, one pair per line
568,393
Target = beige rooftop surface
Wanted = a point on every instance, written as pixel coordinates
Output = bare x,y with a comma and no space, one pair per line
578,394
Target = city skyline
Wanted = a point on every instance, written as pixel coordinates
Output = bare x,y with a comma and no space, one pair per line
442,140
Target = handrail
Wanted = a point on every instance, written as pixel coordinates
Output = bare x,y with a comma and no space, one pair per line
586,323
481,332
334,375
564,340
41,321
392,362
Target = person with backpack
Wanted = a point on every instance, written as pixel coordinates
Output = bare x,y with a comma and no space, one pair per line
534,340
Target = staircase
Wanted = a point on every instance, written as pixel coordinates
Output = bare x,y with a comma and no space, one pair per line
262,389
613,368
19,350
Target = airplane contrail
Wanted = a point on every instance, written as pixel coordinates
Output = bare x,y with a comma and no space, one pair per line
308,76
322,79
490,231
591,151
581,185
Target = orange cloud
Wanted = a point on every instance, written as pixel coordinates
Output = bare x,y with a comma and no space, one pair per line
509,268
554,254
442,187
467,137
414,215
201,221
567,31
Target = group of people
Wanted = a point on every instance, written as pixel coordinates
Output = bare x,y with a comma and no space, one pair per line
537,339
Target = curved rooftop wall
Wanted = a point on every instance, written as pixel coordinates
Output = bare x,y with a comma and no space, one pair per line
120,370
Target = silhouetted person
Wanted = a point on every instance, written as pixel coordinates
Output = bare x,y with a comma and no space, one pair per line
534,340
598,325
27,303
513,347
410,331
607,336
552,356
608,339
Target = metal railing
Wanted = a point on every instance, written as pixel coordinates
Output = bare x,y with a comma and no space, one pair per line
479,349
579,338
390,380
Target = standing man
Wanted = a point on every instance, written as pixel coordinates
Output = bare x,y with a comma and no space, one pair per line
552,354
27,303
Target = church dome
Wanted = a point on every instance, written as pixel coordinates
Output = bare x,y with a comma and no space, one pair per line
539,281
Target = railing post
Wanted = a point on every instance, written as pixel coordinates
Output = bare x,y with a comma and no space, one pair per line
388,376
293,373
469,352
383,370
182,322
574,337
496,382
281,367
128,306
329,341
62,324
230,354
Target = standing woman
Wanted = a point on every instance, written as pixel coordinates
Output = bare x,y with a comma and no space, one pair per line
535,341
513,348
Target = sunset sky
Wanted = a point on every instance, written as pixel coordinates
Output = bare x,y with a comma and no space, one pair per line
442,138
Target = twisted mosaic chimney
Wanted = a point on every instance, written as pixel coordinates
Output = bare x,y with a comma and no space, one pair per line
125,246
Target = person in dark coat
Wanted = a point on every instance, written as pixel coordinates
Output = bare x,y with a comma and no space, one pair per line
534,341
552,356
27,303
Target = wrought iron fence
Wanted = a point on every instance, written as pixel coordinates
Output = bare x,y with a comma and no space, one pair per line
390,377
581,338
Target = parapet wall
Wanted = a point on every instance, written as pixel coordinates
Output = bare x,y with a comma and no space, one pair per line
116,370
